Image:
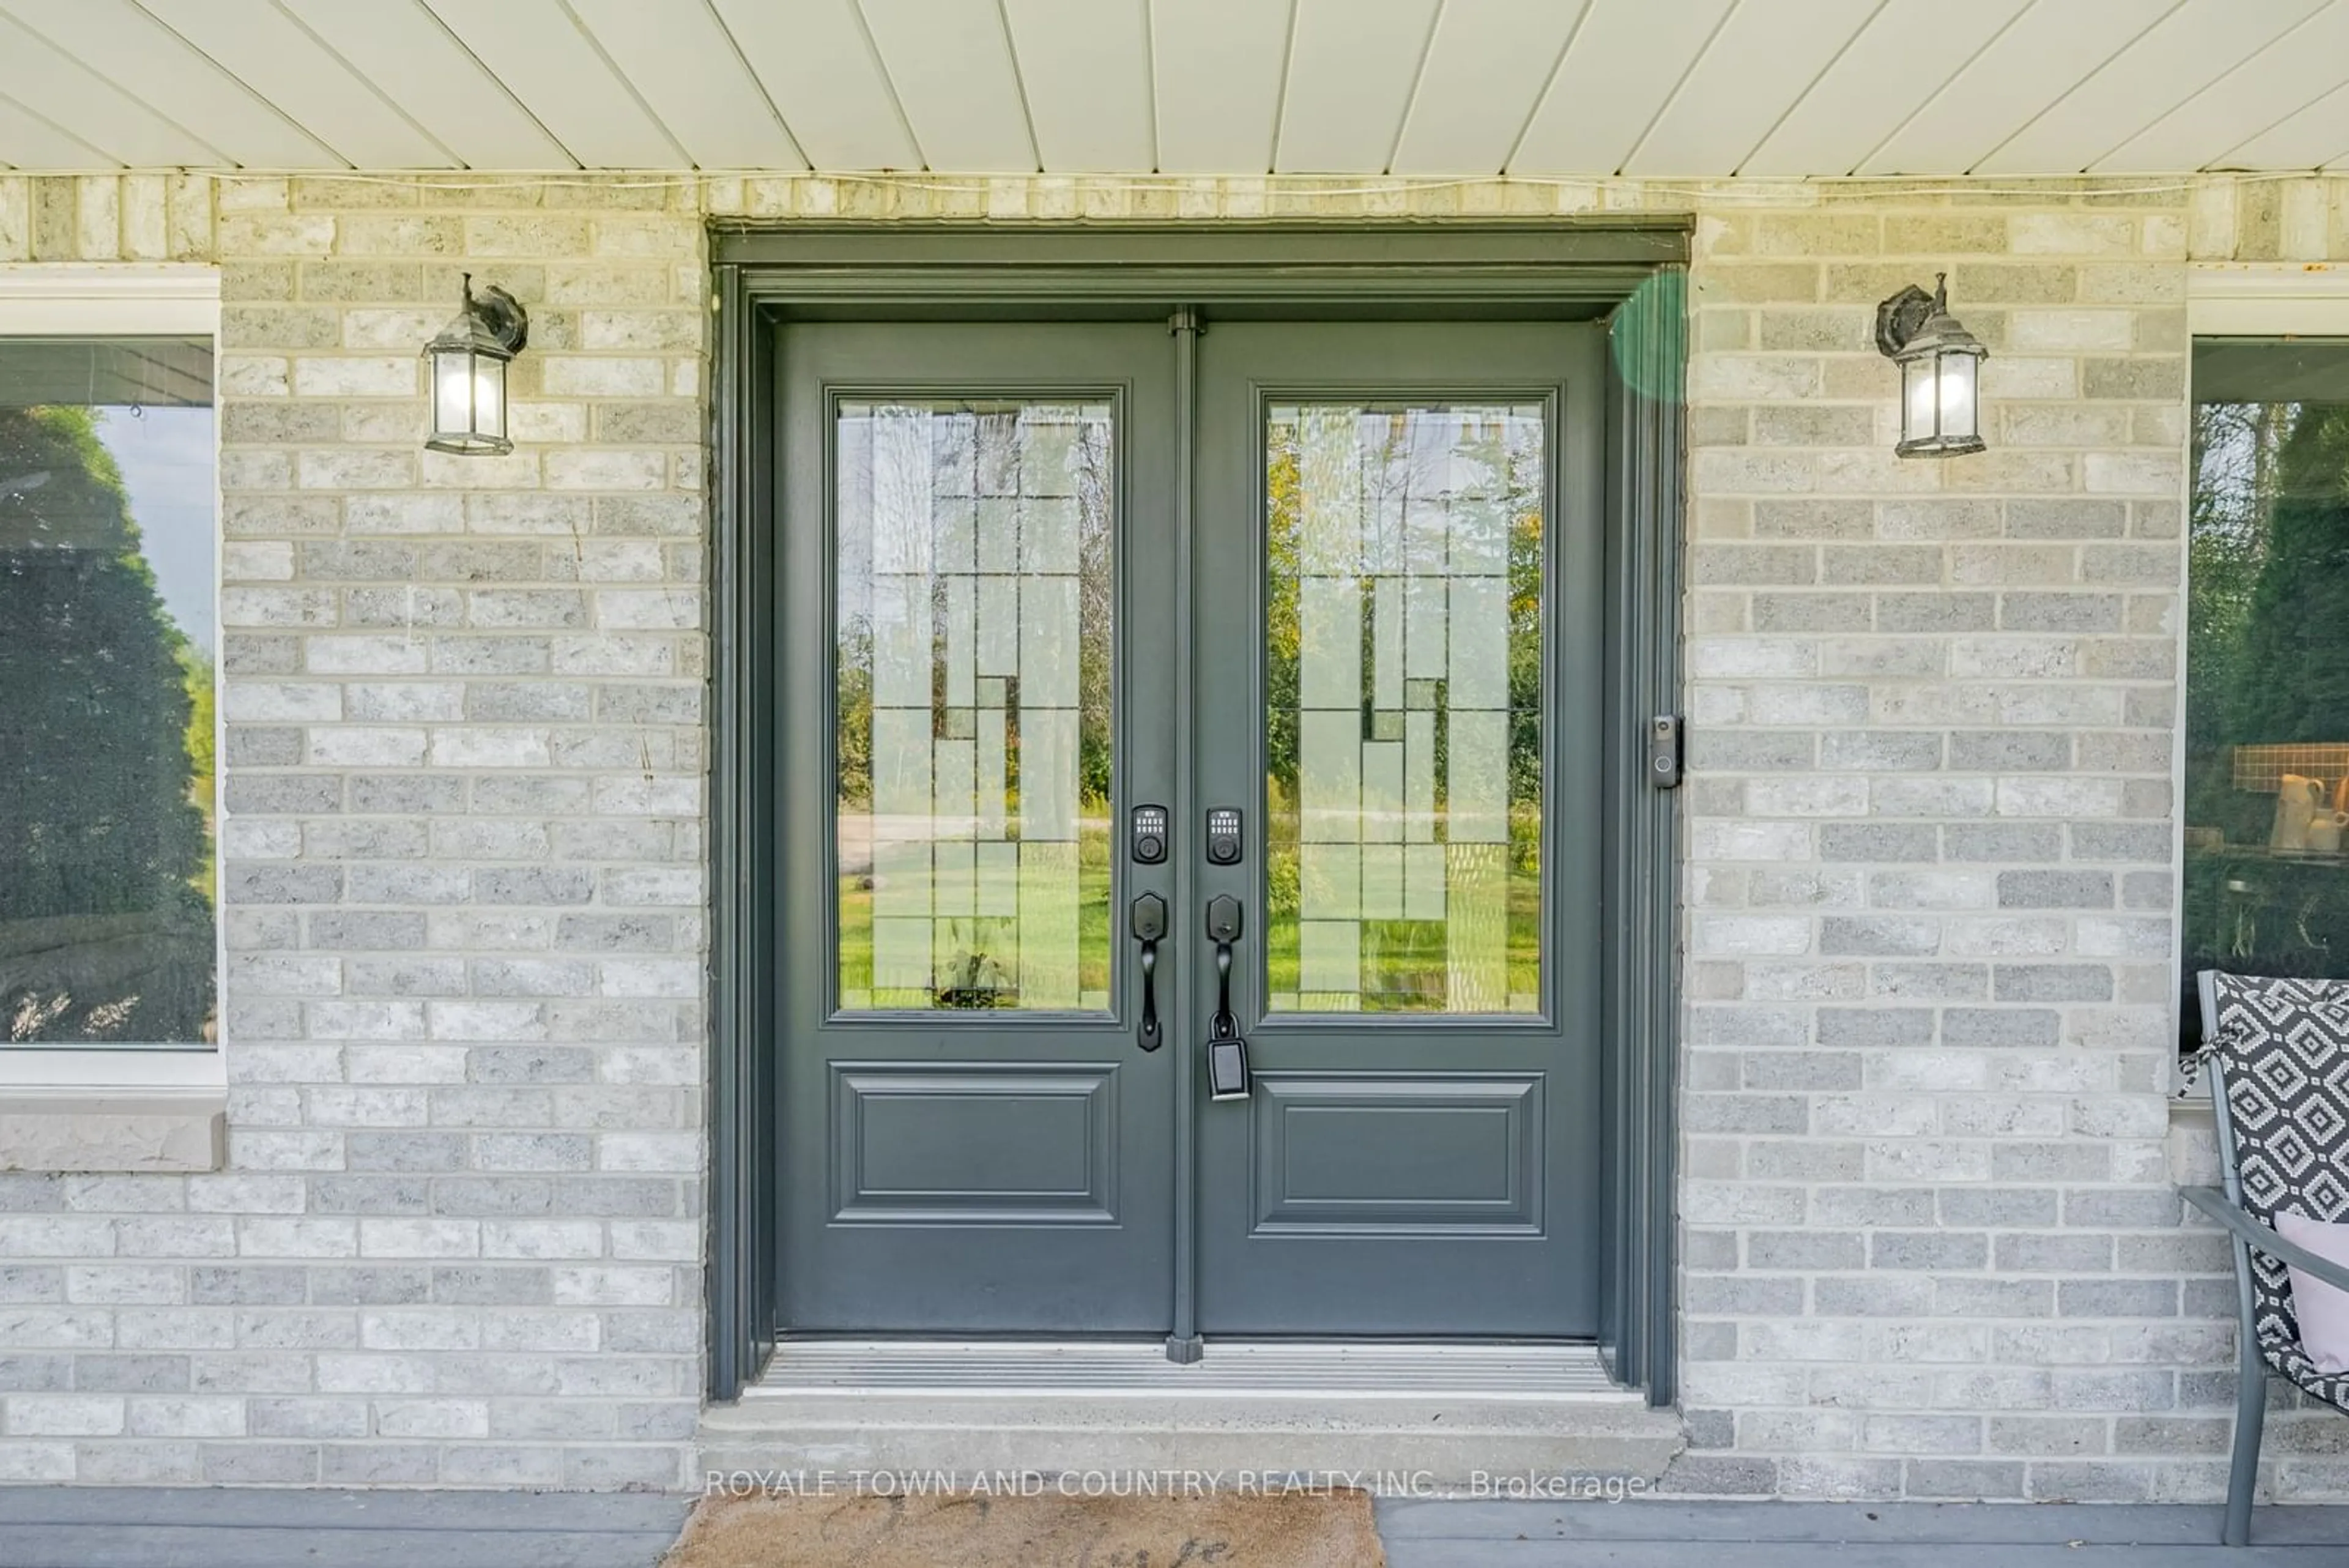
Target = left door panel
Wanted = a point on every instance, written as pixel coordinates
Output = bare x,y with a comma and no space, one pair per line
973,694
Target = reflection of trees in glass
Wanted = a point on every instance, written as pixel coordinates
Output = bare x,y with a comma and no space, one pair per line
2291,681
106,924
1096,613
2235,451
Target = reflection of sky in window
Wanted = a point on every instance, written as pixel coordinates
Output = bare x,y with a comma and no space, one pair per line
2225,466
166,457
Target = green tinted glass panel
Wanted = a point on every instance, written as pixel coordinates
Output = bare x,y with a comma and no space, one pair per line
1404,665
973,726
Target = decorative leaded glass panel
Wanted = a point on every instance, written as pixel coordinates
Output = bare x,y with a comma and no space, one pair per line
973,691
1404,664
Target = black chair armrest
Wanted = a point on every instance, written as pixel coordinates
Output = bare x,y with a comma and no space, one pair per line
2213,1202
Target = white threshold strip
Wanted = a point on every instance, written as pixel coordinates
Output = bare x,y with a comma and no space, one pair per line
1094,1368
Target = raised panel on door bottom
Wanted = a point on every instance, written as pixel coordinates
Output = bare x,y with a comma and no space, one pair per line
1370,1154
975,1143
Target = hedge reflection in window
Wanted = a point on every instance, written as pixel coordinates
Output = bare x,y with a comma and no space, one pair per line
107,637
2267,684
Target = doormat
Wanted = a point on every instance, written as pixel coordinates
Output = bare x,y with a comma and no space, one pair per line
1320,1530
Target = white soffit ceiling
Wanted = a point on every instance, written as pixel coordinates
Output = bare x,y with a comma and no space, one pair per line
1557,88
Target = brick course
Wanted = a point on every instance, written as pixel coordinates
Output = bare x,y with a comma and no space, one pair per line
1929,1244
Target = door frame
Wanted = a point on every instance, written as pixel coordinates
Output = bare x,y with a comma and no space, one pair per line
1630,273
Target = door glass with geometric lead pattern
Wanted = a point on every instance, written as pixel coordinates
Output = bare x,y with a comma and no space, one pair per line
1404,671
972,722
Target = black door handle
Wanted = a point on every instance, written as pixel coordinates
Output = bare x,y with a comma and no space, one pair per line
1224,923
1149,921
1227,1069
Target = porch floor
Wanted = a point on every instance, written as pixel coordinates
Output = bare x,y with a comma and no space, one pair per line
217,1527
108,1526
1662,1533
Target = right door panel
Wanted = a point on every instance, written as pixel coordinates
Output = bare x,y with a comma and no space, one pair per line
1398,643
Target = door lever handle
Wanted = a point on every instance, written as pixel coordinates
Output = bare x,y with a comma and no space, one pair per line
1224,923
1227,1069
1149,924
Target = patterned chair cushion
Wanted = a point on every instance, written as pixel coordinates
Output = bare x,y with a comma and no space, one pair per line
2282,1051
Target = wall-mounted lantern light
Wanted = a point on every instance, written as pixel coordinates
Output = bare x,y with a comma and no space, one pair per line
469,373
1940,361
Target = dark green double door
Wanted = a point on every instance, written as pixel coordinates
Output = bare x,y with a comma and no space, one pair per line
1374,630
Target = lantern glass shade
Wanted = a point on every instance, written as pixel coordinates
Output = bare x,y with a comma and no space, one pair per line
469,401
469,362
1941,402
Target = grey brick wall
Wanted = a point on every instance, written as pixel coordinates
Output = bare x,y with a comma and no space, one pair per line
1929,1244
1926,1041
458,1235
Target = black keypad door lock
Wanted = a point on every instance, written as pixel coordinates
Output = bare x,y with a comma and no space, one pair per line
1149,837
1223,835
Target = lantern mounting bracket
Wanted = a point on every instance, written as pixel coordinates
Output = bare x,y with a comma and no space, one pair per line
1899,319
500,314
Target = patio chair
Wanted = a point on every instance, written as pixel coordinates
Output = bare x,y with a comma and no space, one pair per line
2277,1052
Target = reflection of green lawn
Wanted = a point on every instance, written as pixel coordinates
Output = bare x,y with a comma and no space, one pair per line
1093,932
1413,949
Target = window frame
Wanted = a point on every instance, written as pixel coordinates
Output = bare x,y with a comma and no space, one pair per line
2233,300
115,1091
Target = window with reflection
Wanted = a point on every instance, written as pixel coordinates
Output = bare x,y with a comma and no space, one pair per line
1403,686
2267,684
972,704
108,642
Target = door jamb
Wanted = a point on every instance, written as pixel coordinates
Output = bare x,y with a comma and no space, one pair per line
1632,273
1640,1011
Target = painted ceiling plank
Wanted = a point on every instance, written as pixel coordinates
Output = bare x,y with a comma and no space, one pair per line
412,58
1351,77
2176,58
952,71
534,47
2315,135
1218,66
1877,83
56,87
1620,70
819,68
2291,73
1766,57
2042,57
685,66
155,66
35,144
1086,67
1484,71
265,50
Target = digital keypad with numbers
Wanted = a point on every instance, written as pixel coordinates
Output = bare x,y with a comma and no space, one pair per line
1149,835
1223,835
